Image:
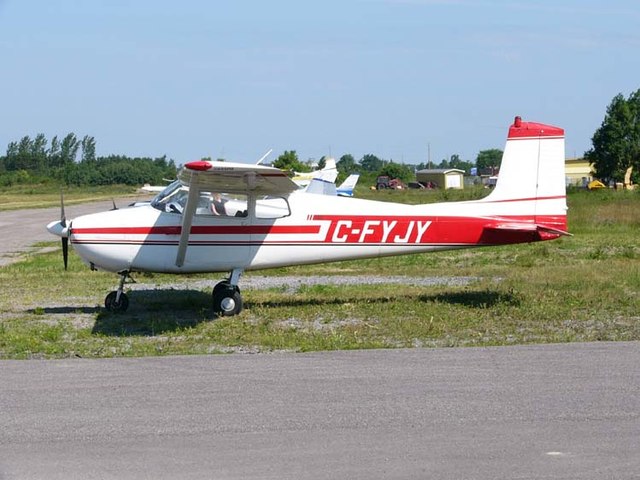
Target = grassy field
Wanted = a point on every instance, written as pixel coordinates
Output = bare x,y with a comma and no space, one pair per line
578,288
43,196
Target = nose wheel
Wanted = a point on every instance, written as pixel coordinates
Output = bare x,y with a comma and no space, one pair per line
117,301
113,303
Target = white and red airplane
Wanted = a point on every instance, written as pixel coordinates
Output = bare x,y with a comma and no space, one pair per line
262,220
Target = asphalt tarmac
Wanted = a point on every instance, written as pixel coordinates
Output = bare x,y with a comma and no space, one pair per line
543,412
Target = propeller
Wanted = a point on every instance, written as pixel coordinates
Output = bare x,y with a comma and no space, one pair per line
65,238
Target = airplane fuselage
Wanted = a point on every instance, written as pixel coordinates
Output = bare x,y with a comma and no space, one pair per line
316,229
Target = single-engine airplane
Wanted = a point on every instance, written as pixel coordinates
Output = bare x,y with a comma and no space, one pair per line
232,217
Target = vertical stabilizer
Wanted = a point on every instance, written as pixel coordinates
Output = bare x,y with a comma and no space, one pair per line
532,174
532,163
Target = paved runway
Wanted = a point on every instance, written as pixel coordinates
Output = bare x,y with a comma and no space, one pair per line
548,411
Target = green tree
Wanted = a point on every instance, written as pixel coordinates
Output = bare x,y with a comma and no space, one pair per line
38,153
489,159
616,144
53,154
456,162
289,161
88,149
398,170
371,163
347,164
69,149
22,159
12,155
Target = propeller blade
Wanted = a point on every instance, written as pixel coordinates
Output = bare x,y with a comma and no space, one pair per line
65,240
65,251
63,218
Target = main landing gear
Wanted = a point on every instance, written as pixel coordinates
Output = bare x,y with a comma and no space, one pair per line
226,297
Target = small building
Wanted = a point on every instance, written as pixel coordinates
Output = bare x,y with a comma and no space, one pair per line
578,172
441,177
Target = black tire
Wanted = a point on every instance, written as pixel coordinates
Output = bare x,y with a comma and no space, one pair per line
226,301
224,285
113,306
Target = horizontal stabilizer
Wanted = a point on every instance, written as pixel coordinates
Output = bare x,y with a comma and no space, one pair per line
527,227
555,231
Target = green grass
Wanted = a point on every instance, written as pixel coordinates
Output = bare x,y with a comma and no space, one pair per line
581,288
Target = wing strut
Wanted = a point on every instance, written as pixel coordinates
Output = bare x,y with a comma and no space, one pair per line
187,217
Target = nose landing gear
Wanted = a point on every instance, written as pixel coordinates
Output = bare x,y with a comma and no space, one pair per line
117,301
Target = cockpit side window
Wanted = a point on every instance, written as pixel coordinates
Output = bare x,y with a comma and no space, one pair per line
272,207
222,204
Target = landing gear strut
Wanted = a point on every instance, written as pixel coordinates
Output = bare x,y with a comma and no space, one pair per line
226,297
117,301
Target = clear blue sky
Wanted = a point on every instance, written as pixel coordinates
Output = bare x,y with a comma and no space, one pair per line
234,78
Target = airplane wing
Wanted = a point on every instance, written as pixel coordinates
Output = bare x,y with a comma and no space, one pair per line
226,177
230,177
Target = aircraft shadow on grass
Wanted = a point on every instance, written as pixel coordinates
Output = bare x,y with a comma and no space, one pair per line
469,298
163,311
475,298
156,312
65,310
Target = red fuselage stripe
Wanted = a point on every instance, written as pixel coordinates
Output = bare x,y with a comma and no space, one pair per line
202,230
348,230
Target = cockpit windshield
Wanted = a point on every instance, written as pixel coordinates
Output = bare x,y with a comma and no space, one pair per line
171,199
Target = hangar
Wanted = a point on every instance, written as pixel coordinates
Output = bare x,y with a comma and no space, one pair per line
441,177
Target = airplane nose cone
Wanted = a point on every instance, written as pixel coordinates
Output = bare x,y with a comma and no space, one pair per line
56,228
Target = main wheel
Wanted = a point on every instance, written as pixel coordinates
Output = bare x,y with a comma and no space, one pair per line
112,305
224,285
226,301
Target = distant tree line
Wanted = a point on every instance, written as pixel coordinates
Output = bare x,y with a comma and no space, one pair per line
31,160
371,166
